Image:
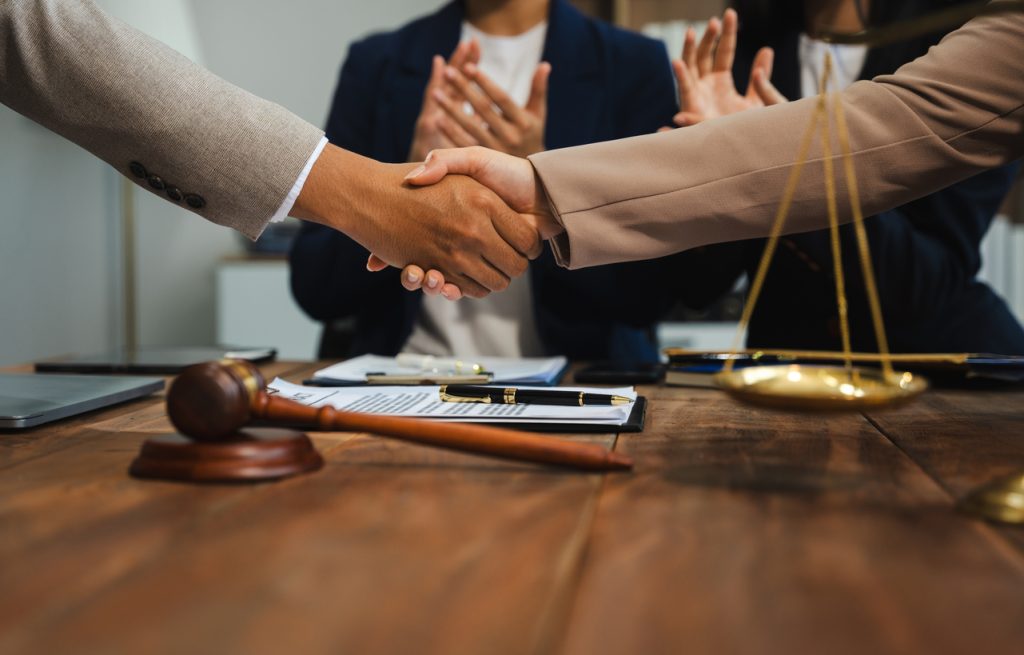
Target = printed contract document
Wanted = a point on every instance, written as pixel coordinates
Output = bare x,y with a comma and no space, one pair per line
425,402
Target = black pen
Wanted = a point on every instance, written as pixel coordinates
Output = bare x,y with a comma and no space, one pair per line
468,393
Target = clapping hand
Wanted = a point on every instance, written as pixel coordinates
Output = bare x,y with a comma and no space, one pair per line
706,86
428,134
496,122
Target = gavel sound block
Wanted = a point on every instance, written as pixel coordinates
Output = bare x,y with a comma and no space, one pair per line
211,403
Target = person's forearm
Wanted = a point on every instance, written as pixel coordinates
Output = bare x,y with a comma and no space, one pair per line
170,126
940,119
331,195
343,192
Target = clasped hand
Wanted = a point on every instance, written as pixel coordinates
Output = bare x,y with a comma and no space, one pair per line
492,120
512,179
455,225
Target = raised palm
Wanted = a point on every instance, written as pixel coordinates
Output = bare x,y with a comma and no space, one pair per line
706,85
715,95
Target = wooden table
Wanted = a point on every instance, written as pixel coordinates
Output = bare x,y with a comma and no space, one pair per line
740,531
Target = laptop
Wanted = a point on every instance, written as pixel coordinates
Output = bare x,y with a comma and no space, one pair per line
154,361
28,400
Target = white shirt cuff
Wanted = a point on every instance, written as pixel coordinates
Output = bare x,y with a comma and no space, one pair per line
289,200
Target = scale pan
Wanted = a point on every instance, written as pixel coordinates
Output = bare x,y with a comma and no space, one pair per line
1001,501
819,388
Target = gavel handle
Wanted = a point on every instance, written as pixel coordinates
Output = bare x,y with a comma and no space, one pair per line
505,444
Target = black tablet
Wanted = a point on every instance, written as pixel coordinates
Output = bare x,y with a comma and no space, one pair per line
149,361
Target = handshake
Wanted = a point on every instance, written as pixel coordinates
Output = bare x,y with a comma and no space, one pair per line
509,194
464,222
468,219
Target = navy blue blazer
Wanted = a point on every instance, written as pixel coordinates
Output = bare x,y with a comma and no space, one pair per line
605,83
926,255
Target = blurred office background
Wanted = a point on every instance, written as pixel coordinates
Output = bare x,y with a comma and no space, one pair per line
62,264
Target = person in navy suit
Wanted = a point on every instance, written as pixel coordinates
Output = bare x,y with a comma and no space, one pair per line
396,99
926,254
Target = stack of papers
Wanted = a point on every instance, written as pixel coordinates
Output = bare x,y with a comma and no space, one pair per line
505,370
425,402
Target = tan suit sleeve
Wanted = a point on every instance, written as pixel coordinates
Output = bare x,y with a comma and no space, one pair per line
141,106
937,120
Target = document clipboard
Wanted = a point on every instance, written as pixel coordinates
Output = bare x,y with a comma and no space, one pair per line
635,423
426,403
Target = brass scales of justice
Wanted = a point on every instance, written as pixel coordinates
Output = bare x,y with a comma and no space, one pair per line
805,387
848,387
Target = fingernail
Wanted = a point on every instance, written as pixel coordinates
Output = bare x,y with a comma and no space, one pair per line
415,172
446,293
430,155
412,276
449,72
431,282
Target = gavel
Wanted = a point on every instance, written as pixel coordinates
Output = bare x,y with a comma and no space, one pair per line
210,402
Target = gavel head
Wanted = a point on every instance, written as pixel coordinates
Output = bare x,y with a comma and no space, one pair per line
211,401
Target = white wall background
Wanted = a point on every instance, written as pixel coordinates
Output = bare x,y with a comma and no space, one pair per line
57,209
291,51
59,250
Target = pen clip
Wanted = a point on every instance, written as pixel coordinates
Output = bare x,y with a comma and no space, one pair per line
449,398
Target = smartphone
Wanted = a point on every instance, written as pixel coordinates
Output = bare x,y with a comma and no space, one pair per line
621,373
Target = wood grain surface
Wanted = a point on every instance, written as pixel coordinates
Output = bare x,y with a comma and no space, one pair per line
751,531
962,439
741,531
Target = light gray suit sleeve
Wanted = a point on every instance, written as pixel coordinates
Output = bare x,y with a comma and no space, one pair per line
166,123
946,116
